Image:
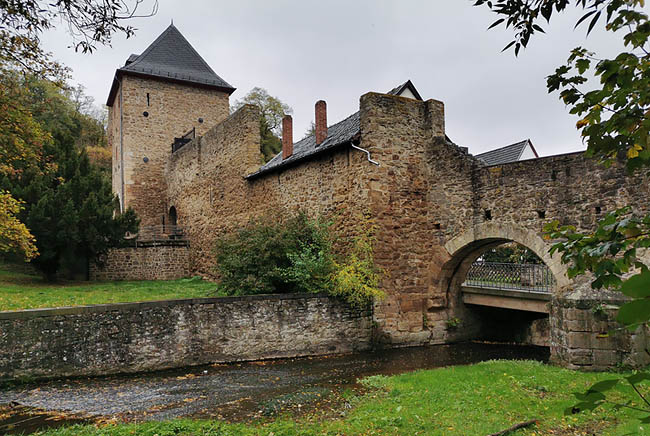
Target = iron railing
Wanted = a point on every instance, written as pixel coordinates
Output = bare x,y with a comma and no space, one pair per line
163,232
180,142
514,276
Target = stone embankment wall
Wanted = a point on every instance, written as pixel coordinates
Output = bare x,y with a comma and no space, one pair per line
134,337
153,262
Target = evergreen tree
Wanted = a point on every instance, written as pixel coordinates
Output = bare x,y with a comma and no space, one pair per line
69,205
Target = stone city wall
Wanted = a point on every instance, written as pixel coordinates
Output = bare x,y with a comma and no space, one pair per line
135,337
152,262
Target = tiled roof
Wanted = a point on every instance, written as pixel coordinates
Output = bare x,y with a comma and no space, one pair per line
339,134
503,155
172,57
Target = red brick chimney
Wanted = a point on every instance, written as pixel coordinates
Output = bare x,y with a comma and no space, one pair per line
321,122
287,136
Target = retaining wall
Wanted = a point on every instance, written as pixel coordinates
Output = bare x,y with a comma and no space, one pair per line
134,337
151,262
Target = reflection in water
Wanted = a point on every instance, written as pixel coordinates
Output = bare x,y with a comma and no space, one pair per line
237,391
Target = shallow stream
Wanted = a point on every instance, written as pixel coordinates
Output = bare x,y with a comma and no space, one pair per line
233,392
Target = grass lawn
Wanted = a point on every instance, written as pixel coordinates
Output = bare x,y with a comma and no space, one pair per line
22,291
465,400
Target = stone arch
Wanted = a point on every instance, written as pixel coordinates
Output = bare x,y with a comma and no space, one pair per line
465,248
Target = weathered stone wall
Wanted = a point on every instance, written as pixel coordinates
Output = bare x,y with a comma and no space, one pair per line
208,189
173,109
152,262
585,335
134,337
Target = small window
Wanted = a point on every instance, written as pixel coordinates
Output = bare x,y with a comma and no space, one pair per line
541,214
487,214
147,99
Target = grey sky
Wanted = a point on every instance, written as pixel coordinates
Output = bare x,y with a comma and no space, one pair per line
303,51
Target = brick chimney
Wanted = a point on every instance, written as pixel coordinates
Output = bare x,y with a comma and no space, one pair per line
321,122
287,136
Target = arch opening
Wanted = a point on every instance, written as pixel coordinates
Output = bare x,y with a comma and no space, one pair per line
499,284
173,217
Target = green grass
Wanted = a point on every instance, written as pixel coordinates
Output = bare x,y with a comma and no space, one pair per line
463,400
23,291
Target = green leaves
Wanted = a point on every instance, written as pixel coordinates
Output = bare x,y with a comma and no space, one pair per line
637,286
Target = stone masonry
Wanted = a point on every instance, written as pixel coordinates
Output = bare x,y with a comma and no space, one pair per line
436,207
152,262
137,337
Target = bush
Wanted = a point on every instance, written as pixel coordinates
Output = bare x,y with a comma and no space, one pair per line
277,254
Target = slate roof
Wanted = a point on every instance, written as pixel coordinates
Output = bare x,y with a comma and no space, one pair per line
339,134
507,154
171,57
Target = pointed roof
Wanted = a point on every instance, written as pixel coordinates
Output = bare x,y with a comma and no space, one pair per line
398,90
172,58
507,154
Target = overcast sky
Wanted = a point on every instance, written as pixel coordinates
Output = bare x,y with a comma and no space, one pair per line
303,50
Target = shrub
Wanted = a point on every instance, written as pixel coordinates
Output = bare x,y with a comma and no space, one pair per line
273,254
356,278
279,254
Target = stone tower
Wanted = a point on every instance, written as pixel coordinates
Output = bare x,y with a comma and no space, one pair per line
164,93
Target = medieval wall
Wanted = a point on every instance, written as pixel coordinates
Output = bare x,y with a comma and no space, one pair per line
172,110
151,262
211,196
135,337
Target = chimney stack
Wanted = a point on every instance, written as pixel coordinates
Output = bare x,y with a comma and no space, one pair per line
287,136
321,122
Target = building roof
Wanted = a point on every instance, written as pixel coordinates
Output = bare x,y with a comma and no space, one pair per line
507,154
171,57
339,134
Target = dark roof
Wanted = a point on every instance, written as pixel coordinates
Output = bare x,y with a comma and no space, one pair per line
507,154
171,57
406,85
339,134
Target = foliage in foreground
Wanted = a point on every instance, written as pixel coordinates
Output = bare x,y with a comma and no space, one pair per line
294,253
20,291
615,124
463,400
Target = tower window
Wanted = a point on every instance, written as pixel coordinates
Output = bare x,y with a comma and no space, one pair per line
147,99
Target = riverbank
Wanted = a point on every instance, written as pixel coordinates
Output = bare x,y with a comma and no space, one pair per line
477,399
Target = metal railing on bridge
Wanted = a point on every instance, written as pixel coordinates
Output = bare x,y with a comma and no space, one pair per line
513,276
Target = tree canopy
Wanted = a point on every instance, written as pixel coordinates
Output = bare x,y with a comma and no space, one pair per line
272,110
90,22
66,202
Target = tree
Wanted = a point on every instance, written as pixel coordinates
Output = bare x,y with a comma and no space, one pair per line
68,203
90,22
272,110
15,238
614,122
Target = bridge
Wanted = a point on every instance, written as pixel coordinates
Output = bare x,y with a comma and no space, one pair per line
517,286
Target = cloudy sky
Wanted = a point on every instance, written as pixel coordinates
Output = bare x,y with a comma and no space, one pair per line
305,50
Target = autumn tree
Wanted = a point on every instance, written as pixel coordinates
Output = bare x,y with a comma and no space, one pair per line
68,203
272,110
90,22
614,120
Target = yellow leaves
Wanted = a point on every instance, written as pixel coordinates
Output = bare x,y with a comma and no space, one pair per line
14,235
582,123
633,151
